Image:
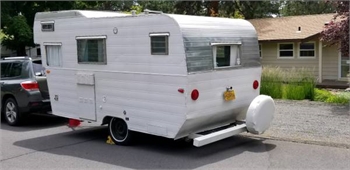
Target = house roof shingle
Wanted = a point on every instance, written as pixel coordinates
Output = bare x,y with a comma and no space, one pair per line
286,28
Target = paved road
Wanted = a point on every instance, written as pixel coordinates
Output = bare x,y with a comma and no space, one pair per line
48,144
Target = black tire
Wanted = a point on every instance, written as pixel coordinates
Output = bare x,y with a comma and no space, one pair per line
11,113
120,134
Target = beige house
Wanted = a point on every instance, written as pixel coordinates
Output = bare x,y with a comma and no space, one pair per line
295,42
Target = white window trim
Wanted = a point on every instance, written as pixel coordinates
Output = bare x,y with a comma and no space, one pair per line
214,48
90,37
289,57
307,57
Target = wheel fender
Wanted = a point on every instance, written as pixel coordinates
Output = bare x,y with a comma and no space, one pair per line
260,114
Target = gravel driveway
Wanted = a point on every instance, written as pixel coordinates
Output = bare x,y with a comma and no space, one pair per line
310,122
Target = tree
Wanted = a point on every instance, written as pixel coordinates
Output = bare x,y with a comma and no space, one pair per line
291,8
337,31
18,29
257,9
17,35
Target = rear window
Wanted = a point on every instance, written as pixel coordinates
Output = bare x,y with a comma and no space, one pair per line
14,70
38,68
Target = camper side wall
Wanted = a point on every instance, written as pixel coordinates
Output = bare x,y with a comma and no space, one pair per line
125,79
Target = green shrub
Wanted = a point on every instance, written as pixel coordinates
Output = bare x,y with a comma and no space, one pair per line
295,84
323,95
271,82
294,92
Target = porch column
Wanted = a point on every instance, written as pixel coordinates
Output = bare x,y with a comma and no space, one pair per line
320,61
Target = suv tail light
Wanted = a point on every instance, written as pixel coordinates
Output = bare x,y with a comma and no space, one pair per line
30,85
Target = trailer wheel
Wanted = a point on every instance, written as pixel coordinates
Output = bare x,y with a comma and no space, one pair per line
118,129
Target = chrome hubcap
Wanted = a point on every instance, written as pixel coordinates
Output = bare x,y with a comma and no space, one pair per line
11,112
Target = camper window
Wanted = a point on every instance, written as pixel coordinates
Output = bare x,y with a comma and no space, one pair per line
159,44
53,55
47,26
226,55
92,50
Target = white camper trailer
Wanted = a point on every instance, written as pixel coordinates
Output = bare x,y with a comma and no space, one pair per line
174,76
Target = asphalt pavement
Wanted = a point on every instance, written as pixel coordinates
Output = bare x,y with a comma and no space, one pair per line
47,143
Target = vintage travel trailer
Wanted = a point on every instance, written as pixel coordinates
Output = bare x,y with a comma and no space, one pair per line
174,76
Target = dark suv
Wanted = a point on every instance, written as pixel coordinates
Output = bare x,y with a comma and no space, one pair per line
23,88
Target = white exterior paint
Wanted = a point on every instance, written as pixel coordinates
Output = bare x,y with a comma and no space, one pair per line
139,87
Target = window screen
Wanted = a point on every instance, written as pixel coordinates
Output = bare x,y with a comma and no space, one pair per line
159,45
92,51
47,27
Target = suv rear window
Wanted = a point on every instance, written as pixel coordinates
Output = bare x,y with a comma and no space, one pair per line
14,70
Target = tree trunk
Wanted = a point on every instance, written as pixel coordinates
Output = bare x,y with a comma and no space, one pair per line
213,9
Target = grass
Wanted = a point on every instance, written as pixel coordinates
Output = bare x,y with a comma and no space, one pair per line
294,84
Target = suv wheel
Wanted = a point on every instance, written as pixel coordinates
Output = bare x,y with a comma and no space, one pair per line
11,113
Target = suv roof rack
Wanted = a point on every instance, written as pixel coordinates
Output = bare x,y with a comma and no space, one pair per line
16,58
147,11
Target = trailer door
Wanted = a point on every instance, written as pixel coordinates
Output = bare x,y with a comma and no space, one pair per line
86,96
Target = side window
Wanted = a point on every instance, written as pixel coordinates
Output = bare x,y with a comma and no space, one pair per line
53,55
226,55
5,70
159,43
92,50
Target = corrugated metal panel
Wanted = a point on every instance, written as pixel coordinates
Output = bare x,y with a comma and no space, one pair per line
199,32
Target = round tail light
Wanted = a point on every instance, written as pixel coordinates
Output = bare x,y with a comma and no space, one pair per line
195,94
255,84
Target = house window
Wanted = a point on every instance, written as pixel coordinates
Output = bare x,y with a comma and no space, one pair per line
226,55
92,50
53,54
307,49
159,43
48,26
286,50
260,50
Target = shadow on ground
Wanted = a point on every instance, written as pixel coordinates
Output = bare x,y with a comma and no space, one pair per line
35,122
149,152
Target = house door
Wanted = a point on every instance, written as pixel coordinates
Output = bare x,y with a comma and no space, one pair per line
86,96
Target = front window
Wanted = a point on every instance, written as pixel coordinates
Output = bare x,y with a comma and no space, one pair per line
286,50
226,55
307,49
92,50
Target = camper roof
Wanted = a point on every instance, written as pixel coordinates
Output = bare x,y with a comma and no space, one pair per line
78,13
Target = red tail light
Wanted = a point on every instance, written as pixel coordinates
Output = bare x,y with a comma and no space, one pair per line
195,94
73,123
30,85
255,84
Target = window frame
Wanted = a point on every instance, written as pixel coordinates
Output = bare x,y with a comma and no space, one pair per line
307,57
285,57
52,44
97,37
52,23
160,34
239,54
